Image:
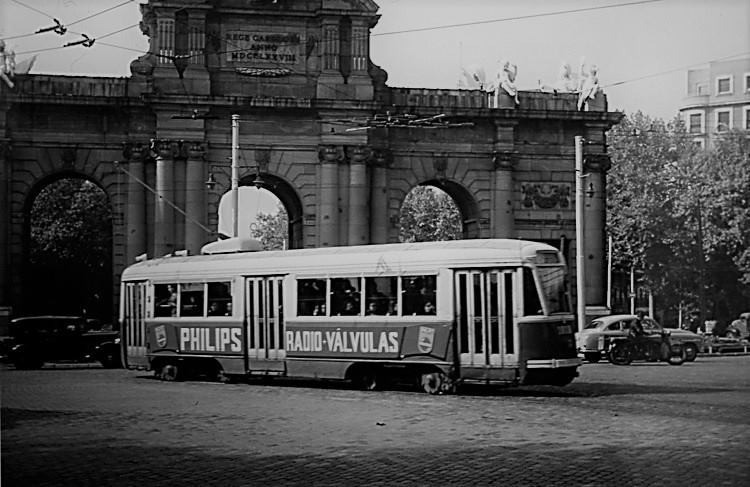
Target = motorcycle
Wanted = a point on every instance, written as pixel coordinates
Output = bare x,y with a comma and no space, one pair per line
648,347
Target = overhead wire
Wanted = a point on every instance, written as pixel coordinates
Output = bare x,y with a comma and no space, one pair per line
32,8
61,28
100,12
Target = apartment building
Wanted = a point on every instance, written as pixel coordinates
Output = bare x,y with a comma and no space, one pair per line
718,100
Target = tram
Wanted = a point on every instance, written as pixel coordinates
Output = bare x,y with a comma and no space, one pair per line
437,314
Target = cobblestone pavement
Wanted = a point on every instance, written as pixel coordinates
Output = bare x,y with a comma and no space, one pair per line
645,424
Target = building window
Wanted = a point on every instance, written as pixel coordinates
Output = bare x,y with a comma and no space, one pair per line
359,49
747,82
724,85
330,48
695,122
746,117
723,120
165,40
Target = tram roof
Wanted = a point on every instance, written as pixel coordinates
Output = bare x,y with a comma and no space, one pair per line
360,259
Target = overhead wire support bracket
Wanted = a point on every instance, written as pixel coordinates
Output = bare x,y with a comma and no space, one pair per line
58,28
85,42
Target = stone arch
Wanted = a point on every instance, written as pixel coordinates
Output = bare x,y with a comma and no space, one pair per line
106,308
467,205
288,196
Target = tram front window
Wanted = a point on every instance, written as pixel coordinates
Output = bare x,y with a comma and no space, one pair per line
554,285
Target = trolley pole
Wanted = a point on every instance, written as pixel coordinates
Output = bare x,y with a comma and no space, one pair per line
580,262
235,176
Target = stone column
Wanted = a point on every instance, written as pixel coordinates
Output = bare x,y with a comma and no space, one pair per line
179,155
329,157
504,218
359,195
379,197
163,211
5,271
195,204
343,200
594,218
135,229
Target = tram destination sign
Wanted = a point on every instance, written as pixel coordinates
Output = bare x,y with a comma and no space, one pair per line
253,47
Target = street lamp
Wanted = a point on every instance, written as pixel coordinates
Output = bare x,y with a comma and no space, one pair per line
580,261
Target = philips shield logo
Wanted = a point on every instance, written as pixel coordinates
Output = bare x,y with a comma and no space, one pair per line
161,336
426,339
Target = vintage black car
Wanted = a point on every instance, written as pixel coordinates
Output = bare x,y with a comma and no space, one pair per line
35,340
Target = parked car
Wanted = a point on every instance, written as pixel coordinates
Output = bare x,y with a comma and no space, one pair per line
35,340
593,341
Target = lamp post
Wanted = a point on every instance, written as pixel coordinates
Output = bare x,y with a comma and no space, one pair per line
580,262
235,175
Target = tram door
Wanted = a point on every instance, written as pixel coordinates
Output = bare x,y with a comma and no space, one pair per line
133,325
487,331
265,323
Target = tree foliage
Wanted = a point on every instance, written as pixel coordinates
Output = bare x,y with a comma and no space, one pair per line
429,214
272,229
680,214
71,248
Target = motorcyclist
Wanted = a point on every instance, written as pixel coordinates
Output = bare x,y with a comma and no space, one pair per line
636,332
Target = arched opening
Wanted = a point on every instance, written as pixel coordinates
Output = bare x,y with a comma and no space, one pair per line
438,210
269,210
69,249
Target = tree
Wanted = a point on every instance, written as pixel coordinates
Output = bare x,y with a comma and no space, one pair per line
429,214
71,249
680,214
272,229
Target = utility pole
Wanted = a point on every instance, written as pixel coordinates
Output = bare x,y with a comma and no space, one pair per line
235,175
701,267
580,262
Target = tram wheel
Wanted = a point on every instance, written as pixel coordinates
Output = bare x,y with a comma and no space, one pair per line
170,373
435,383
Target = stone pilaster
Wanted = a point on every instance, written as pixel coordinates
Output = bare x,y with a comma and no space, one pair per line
359,217
504,158
179,157
195,204
379,227
329,157
135,226
163,211
594,217
504,218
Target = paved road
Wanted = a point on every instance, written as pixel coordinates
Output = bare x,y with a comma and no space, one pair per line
646,424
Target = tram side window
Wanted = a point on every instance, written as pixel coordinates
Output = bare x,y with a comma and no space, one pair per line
219,299
531,303
191,299
311,297
165,300
419,295
345,296
381,294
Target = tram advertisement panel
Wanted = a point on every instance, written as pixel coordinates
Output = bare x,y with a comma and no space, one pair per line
196,338
379,342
